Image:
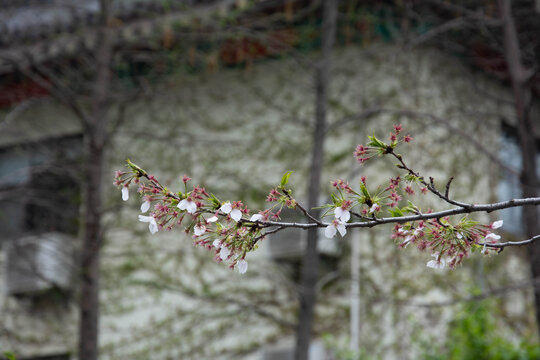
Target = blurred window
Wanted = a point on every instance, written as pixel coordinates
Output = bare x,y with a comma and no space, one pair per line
39,189
510,184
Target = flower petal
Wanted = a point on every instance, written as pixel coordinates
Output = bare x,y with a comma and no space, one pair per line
125,193
407,241
242,266
497,224
342,229
153,227
198,230
212,219
330,231
434,264
144,218
256,217
492,236
145,206
236,215
216,243
338,212
182,205
226,208
191,207
224,252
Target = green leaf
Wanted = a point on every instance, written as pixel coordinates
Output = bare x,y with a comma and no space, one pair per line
335,200
364,190
135,167
9,355
410,208
285,178
396,212
215,201
410,177
376,142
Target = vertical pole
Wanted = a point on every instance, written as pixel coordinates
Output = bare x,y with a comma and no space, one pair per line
355,292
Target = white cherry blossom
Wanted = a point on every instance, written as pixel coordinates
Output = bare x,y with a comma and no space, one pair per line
152,226
212,219
436,264
198,230
188,205
335,226
216,243
235,214
242,266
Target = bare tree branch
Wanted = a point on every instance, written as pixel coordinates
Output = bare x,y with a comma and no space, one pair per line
511,243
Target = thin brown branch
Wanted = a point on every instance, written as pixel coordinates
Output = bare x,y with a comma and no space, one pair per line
473,208
447,190
431,185
303,210
511,243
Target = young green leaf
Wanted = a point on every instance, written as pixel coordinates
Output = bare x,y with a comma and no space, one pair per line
214,200
396,212
365,191
376,142
285,178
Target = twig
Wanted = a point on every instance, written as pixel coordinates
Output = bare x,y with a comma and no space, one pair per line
447,191
431,185
511,243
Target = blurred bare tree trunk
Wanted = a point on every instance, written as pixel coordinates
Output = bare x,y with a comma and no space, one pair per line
520,78
310,262
95,136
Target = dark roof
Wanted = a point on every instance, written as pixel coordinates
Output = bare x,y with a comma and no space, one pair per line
36,31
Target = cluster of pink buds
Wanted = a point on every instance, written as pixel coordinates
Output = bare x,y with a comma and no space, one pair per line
378,147
448,244
364,153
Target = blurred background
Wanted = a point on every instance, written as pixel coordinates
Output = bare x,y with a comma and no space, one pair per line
234,93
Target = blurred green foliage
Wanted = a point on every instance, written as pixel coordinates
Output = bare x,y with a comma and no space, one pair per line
472,335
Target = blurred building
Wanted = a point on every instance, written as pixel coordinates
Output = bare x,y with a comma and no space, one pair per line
221,90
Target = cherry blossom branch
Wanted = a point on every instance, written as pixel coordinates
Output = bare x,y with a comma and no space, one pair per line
226,228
